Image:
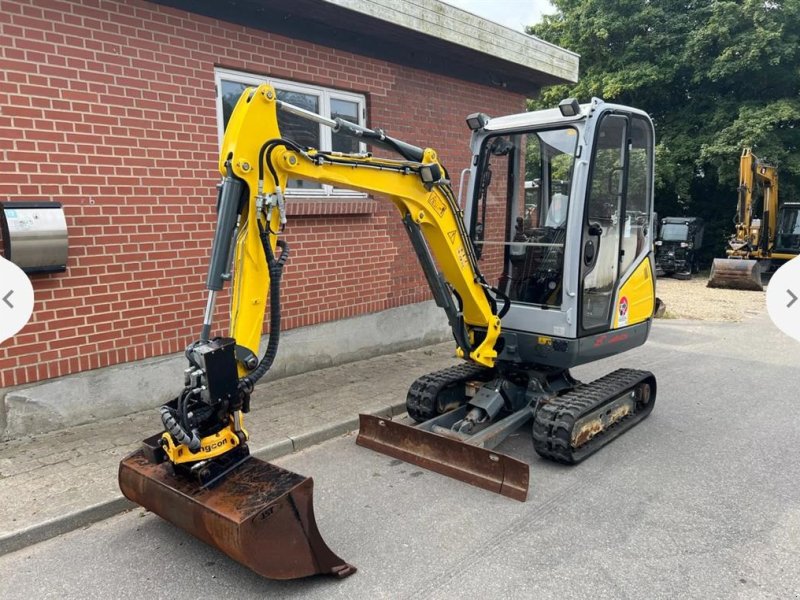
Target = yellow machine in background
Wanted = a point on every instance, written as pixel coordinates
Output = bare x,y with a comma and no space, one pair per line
767,231
558,216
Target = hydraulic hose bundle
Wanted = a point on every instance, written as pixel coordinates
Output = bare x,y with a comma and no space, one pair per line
247,382
172,423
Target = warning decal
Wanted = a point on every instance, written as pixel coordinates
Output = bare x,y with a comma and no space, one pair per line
462,257
437,205
452,236
623,311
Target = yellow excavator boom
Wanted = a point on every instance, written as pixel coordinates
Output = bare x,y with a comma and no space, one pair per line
253,149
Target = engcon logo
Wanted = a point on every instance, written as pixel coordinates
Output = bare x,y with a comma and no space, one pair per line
210,447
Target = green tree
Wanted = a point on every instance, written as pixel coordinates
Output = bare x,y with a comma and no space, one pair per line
715,76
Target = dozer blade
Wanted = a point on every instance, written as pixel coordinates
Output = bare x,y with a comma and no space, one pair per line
735,274
460,460
260,515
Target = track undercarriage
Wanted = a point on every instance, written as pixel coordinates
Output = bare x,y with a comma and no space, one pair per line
465,411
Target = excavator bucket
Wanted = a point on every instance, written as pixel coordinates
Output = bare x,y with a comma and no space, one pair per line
735,274
260,515
460,460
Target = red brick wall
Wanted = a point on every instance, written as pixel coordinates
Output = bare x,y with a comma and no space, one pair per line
109,107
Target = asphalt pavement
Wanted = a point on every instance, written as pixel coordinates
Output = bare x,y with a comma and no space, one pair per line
698,501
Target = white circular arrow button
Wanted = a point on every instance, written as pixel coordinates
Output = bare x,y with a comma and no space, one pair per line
783,298
16,299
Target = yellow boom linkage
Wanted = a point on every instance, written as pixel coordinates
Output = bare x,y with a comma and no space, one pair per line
432,208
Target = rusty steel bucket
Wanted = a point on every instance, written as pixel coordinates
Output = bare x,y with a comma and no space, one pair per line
458,459
260,515
735,274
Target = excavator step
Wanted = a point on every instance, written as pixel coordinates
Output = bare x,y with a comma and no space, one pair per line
454,458
258,514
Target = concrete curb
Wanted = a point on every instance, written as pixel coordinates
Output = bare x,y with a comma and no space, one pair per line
112,507
64,524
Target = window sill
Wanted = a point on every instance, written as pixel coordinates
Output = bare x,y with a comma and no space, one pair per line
304,206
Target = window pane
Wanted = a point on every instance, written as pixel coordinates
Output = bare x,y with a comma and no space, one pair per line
231,91
300,130
636,223
348,111
501,156
675,232
522,214
603,213
537,257
639,169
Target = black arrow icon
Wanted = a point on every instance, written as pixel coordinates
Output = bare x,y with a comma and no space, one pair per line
6,297
793,300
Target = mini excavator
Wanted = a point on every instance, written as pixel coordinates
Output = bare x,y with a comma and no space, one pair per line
548,265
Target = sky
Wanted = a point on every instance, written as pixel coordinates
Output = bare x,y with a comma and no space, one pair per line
515,14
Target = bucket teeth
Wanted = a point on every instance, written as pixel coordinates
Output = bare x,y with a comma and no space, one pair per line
260,515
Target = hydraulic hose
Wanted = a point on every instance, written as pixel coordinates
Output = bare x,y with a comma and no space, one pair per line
172,425
266,149
275,266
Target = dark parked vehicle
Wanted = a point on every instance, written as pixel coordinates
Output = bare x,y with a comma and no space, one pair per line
676,247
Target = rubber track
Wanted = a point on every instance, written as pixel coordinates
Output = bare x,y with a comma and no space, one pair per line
552,426
421,398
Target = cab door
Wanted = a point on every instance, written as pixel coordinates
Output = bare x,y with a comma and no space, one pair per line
603,223
617,236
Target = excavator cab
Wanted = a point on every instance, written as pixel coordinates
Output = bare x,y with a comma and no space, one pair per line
569,249
787,236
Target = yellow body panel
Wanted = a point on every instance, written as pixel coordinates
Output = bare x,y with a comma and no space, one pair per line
637,297
254,121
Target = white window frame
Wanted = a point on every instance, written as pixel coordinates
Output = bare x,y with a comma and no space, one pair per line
325,135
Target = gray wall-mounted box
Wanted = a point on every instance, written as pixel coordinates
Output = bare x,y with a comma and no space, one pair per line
34,235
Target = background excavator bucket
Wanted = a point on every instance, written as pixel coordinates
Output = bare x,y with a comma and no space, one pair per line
460,460
735,274
260,515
